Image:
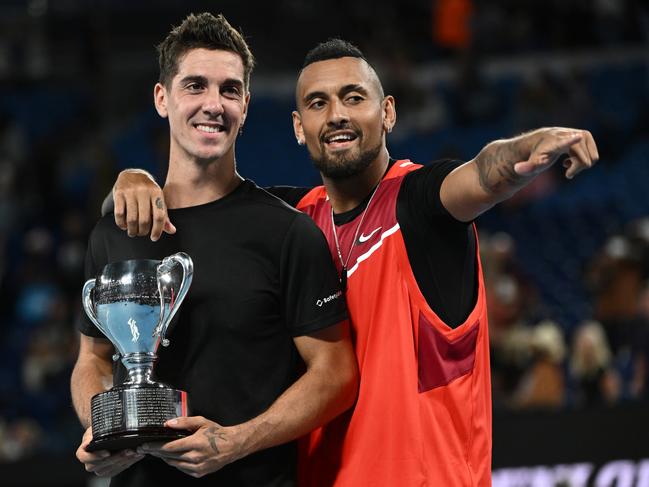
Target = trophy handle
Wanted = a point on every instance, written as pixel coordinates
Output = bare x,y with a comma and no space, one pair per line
166,315
89,306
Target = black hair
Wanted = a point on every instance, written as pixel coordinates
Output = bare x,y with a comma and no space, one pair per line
202,31
332,49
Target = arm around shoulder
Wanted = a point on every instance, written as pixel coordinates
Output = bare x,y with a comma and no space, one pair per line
139,205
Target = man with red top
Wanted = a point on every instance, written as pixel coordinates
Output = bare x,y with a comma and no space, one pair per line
406,249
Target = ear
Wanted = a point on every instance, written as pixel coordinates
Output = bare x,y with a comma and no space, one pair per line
160,100
389,113
297,127
246,102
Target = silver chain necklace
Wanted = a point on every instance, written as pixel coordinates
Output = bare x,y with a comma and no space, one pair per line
343,263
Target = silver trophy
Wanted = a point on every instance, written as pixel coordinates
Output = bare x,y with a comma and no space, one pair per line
132,302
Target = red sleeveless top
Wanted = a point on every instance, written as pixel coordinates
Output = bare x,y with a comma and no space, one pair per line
423,414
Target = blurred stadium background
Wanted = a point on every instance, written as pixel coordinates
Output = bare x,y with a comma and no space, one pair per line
567,263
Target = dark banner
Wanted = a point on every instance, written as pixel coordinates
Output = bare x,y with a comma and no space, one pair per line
603,447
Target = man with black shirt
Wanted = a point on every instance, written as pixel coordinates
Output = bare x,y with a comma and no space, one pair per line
264,298
406,249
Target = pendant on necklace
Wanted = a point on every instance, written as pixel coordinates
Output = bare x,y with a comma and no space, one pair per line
343,279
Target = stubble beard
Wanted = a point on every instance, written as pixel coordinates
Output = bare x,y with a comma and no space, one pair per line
345,165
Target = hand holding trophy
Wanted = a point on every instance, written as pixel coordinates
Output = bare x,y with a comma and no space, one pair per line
132,302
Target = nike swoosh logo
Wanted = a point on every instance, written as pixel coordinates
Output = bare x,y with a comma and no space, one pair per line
362,238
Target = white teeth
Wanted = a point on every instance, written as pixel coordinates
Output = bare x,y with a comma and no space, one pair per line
340,138
208,128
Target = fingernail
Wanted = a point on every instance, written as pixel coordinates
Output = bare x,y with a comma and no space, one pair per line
172,422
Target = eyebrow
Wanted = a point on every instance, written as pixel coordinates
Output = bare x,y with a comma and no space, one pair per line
354,87
233,82
195,78
342,91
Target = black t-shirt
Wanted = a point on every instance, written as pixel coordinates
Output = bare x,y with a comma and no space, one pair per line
440,248
260,271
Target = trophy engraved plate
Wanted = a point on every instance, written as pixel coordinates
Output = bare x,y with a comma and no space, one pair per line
133,302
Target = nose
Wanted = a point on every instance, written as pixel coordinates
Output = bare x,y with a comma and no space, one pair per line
338,114
212,104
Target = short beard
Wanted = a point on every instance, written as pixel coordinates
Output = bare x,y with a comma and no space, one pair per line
342,167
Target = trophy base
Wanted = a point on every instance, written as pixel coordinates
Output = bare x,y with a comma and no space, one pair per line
131,440
127,416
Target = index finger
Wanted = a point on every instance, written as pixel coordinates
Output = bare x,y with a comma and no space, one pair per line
562,143
160,217
86,456
119,210
178,446
592,147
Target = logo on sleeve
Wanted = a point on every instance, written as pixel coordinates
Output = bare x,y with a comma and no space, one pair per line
329,298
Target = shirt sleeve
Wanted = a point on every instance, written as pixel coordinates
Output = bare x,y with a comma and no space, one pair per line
84,324
311,294
420,191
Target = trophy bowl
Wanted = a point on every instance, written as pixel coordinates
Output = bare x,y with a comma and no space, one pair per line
132,302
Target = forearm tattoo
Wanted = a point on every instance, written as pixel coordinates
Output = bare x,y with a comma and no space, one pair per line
496,167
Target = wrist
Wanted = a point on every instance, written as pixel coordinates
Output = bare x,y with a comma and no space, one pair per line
250,437
125,178
137,171
242,438
525,144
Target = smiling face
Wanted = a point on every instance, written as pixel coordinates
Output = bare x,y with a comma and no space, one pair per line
206,103
342,115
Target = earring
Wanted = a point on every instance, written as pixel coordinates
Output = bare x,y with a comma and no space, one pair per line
240,129
300,142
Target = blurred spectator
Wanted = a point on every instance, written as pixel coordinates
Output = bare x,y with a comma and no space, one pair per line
452,24
543,385
615,278
19,439
594,380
